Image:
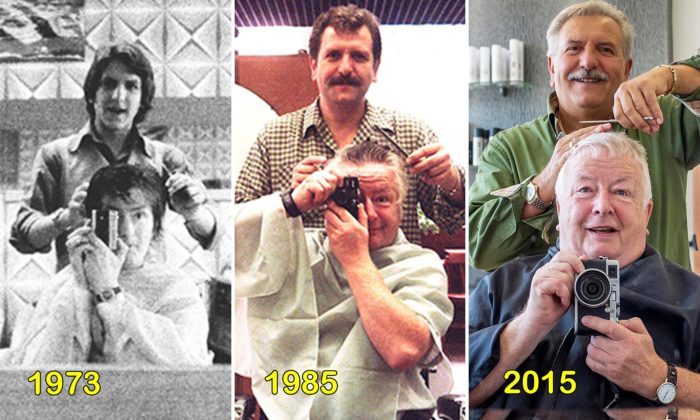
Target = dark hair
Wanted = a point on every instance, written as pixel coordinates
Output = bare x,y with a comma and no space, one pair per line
118,180
133,58
368,152
348,18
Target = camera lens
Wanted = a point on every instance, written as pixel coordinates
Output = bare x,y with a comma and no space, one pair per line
592,288
341,197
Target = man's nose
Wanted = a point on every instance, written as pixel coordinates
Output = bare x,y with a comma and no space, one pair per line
371,211
119,93
602,204
589,58
126,228
345,64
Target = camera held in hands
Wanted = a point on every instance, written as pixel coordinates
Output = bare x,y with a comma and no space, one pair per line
597,291
105,224
348,195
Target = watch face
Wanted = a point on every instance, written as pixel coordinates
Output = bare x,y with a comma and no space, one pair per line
666,393
530,192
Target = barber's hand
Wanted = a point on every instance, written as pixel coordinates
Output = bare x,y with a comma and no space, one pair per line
434,166
305,168
74,215
548,178
625,355
186,193
96,266
348,237
552,290
637,98
314,191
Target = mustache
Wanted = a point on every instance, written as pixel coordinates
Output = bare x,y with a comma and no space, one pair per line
588,74
344,80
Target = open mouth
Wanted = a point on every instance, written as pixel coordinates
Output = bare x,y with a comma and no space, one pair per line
588,80
603,229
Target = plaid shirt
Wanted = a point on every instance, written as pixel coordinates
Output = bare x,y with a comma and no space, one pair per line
287,140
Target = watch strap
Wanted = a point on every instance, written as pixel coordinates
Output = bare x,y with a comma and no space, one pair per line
672,413
289,205
107,295
671,377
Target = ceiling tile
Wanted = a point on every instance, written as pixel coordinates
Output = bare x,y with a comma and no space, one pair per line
72,78
48,89
224,82
224,37
178,37
207,37
192,53
138,19
175,87
152,38
191,18
139,4
101,33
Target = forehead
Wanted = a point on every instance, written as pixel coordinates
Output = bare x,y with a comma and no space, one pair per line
136,199
594,28
371,175
333,38
119,71
605,167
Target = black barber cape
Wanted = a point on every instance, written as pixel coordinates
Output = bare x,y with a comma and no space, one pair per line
665,296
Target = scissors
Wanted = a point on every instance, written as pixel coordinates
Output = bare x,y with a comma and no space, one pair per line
608,121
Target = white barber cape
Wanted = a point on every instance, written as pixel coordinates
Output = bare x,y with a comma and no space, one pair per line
302,316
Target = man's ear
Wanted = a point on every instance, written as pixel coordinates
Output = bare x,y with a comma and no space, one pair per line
550,66
375,70
312,66
650,205
628,68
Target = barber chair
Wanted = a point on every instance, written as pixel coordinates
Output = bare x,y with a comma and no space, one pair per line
219,339
452,407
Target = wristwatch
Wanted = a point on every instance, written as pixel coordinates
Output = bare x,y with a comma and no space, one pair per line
107,295
667,390
532,197
289,205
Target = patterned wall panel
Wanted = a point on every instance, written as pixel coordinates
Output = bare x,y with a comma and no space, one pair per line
496,21
188,43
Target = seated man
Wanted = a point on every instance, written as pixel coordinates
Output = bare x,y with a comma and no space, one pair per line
520,314
355,303
119,306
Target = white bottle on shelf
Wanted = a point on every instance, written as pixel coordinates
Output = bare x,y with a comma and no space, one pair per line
473,65
496,64
485,64
515,64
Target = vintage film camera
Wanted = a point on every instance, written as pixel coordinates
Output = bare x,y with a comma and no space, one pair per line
105,224
597,291
348,195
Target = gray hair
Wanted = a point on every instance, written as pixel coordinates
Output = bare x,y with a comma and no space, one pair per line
591,8
368,152
616,145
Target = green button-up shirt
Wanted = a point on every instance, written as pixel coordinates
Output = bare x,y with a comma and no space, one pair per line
497,234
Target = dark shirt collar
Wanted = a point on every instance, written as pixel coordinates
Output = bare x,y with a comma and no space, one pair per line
648,252
135,141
